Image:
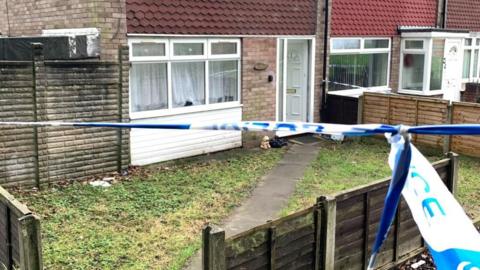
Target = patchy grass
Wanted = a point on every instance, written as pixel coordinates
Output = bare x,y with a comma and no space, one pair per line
339,167
469,185
152,221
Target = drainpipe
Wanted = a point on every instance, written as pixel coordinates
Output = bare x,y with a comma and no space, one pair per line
325,58
445,4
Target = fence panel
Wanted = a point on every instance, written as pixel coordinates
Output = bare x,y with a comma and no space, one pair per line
431,112
20,243
358,216
464,113
41,90
287,243
336,233
406,110
17,151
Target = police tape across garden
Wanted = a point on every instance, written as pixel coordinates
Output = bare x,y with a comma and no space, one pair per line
450,235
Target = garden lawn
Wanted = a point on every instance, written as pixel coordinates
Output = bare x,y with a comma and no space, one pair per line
339,167
152,221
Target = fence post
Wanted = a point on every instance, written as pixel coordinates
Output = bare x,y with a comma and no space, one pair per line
213,242
447,143
8,237
30,243
329,210
317,216
361,99
272,245
453,173
366,228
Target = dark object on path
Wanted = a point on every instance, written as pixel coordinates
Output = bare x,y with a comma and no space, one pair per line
278,142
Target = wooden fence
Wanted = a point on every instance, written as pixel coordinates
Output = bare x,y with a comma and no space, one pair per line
336,233
20,242
408,110
85,91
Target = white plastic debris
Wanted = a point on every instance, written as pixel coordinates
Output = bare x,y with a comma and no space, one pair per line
108,179
417,264
100,183
338,138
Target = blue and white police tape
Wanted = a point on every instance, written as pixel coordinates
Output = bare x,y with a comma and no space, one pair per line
352,130
450,235
448,232
319,128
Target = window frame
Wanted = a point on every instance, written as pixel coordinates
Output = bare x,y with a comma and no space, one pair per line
132,42
427,67
169,58
185,41
363,50
474,46
212,41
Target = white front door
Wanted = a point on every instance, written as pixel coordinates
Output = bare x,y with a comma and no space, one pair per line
452,72
297,81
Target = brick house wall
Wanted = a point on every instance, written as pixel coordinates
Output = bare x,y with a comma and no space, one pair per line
26,17
395,63
3,18
259,95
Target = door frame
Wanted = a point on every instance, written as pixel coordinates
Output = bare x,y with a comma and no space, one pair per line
311,79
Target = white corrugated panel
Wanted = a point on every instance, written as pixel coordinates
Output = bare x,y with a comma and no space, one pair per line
283,134
151,146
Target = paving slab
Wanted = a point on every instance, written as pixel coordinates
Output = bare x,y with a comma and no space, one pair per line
270,196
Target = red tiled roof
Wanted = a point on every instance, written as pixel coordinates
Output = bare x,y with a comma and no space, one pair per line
222,17
463,14
380,17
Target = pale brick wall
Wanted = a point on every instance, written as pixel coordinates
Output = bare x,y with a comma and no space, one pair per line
65,91
395,64
259,95
3,18
26,17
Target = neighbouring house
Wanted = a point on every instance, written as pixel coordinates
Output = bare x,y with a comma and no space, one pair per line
426,47
215,60
404,46
463,14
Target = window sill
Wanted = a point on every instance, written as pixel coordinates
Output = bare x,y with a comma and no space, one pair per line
184,110
359,92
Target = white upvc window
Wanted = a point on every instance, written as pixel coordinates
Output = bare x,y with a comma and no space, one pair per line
471,63
414,53
171,76
149,50
188,49
359,63
221,48
421,66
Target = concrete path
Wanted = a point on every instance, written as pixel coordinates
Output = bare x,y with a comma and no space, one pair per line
271,194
